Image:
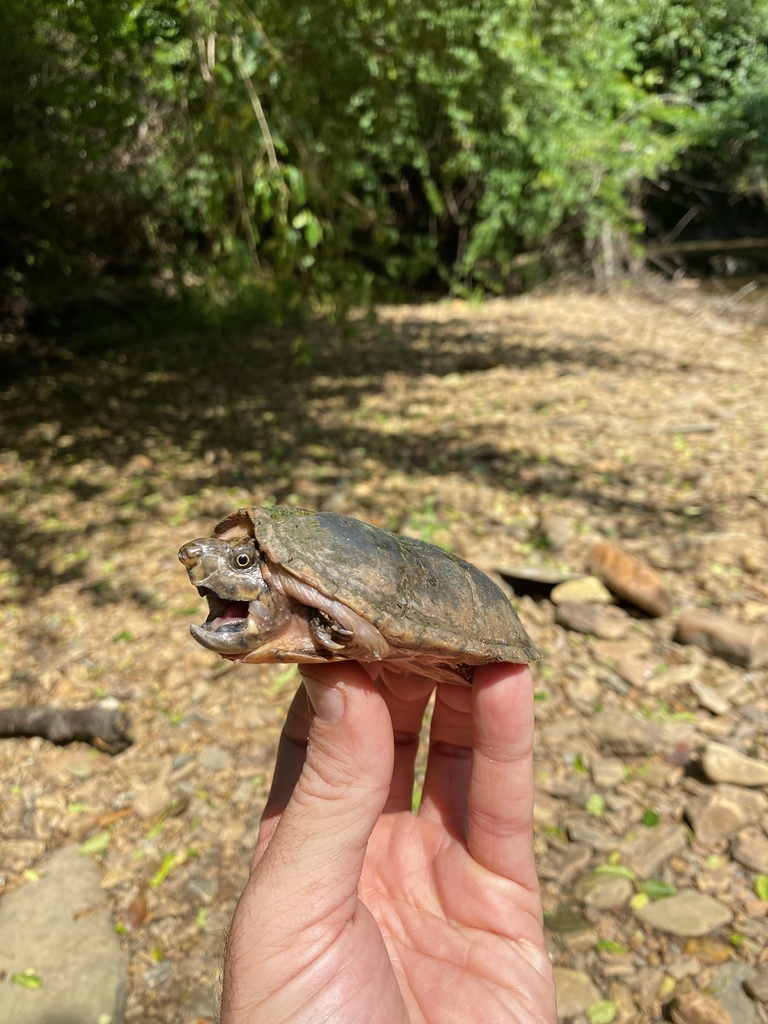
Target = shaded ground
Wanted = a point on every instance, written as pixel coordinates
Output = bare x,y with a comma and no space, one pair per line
514,433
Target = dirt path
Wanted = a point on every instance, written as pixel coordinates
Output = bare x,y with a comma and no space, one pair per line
515,433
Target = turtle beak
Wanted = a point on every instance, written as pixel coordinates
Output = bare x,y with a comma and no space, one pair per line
190,554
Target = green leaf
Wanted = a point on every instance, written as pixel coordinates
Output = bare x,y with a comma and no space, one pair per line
761,887
170,861
27,979
651,818
602,1012
97,843
619,870
657,890
595,805
610,946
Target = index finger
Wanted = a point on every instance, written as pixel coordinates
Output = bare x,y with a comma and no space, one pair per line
500,819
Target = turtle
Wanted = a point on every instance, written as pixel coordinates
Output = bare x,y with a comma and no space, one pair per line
287,584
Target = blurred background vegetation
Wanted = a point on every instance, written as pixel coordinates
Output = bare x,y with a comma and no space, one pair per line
275,155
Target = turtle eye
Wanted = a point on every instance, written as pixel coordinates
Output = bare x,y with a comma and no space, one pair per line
243,560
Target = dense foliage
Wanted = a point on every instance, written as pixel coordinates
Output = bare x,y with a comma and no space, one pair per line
325,149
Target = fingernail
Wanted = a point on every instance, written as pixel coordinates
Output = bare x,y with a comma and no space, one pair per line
327,701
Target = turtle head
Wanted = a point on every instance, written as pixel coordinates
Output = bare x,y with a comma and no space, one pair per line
243,610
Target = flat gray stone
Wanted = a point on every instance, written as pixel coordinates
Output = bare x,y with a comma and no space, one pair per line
608,772
60,928
750,848
728,985
716,816
757,986
722,763
689,913
620,732
603,892
655,846
575,992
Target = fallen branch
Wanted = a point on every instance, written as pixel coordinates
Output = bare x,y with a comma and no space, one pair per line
107,730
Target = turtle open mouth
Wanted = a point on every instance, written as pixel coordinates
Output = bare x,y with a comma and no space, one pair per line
224,616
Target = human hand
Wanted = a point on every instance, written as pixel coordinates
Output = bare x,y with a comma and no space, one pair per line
357,910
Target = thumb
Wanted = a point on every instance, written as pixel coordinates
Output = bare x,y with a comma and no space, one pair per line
323,832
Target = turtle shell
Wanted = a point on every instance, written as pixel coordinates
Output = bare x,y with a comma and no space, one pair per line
419,597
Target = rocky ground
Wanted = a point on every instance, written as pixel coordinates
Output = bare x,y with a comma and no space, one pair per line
520,434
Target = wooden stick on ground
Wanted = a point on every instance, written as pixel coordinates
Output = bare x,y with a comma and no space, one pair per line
107,730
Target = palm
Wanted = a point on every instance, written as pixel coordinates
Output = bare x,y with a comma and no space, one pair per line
456,937
357,910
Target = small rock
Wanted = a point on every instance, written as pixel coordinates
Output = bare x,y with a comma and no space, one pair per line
623,733
635,671
558,531
568,863
18,854
647,983
646,855
630,579
583,692
215,758
672,678
687,913
581,830
621,996
728,987
609,623
587,589
575,992
710,698
603,892
757,986
608,772
152,800
615,650
698,1008
750,848
716,816
724,764
724,637
709,951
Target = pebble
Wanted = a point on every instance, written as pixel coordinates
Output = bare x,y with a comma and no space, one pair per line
215,759
152,800
623,733
588,589
728,987
635,671
608,772
710,698
646,855
603,892
699,1008
686,913
724,637
630,579
558,530
609,623
671,679
722,763
621,997
580,829
575,992
757,986
750,849
716,816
